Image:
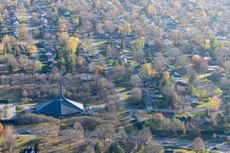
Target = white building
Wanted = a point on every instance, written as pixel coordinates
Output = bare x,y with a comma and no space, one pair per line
7,111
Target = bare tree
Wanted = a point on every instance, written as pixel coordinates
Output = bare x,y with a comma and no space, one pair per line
136,94
47,131
9,141
135,80
105,131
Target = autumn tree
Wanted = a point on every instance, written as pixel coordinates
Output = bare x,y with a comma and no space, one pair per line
147,70
32,50
166,75
198,145
62,25
72,43
9,141
153,147
196,60
1,128
37,66
214,103
2,52
62,38
23,32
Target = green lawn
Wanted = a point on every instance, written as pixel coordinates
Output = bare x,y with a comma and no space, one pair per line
24,141
13,95
99,43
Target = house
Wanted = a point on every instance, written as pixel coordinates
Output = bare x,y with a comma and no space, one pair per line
194,101
7,111
213,68
86,76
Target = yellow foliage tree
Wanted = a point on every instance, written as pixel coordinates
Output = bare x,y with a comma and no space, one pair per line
8,39
214,103
207,44
37,65
1,49
147,70
72,44
1,128
129,29
32,50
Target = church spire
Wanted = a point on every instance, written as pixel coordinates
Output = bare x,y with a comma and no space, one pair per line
60,84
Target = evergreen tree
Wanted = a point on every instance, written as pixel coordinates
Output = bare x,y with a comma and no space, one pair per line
115,148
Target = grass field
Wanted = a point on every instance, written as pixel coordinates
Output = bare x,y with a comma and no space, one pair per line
11,94
25,141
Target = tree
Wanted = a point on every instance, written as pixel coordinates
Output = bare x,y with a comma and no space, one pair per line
147,70
166,75
89,149
227,109
1,128
13,63
160,62
196,59
62,38
99,148
9,141
144,136
135,80
152,9
105,131
32,50
37,66
62,25
198,145
153,147
2,49
23,32
116,148
118,72
69,135
48,131
139,56
136,94
27,3
72,44
214,103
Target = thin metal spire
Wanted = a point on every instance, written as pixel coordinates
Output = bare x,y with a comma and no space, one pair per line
60,84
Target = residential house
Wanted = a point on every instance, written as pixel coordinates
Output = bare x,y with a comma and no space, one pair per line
7,111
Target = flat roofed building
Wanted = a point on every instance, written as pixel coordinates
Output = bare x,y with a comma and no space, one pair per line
7,111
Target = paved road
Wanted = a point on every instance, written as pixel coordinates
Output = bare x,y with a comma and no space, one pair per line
186,144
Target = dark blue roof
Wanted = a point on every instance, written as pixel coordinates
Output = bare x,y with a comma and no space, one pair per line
60,106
